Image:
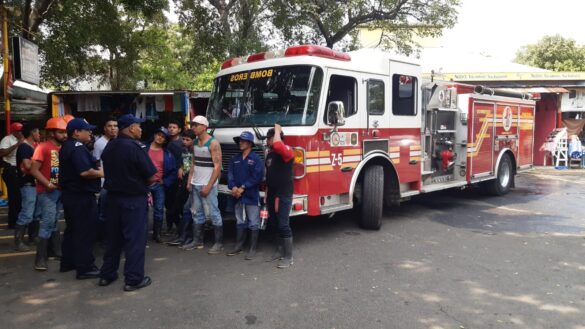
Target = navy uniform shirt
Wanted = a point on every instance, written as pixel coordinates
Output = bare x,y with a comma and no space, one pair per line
127,166
248,173
75,158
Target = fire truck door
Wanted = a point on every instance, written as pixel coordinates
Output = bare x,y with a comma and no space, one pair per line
340,148
482,138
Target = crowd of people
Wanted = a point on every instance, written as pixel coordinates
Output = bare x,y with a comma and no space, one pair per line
106,188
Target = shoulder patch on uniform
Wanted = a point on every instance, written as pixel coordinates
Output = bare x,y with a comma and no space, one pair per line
139,144
78,144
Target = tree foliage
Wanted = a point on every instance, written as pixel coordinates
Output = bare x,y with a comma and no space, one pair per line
128,43
330,22
85,39
222,28
553,53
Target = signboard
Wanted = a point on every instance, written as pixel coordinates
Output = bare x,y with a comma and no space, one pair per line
573,101
508,76
26,61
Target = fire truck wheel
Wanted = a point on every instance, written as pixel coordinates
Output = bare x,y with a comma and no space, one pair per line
501,185
372,198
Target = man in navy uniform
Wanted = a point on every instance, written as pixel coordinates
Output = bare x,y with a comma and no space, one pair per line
245,174
80,180
128,174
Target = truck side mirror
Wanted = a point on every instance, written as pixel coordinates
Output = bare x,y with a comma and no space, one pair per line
335,114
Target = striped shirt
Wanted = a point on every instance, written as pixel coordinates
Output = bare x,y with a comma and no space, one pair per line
203,164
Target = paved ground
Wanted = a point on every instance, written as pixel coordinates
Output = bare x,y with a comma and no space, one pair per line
446,260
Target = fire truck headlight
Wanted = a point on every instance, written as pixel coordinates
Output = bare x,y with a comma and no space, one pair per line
299,170
299,156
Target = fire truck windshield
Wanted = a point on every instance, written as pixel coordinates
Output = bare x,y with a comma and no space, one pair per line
288,95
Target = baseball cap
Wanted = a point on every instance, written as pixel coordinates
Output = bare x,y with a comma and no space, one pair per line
16,126
271,133
79,124
245,136
200,120
164,131
127,120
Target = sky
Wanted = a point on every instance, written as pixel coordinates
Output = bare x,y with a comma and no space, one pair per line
499,28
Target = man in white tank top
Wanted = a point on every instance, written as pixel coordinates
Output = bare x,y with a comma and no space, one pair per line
203,176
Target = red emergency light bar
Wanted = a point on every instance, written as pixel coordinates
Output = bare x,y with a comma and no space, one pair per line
304,50
319,51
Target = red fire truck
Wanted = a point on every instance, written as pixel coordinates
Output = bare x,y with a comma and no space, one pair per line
367,131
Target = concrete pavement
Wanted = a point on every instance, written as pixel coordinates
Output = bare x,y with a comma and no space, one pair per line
454,259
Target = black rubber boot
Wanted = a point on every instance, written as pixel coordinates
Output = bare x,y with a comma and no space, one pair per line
197,242
156,230
41,257
188,234
240,240
55,246
180,238
33,232
253,243
278,252
287,261
218,245
19,244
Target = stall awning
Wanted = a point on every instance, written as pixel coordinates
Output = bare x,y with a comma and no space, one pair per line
539,90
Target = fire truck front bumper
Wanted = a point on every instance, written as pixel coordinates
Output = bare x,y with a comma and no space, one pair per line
299,201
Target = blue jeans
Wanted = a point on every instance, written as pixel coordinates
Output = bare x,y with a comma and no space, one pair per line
158,202
251,219
49,206
205,207
28,204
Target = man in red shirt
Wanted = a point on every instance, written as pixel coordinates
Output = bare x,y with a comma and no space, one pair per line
279,193
45,169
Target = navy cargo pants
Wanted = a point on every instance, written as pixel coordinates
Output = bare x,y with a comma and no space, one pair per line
81,217
126,229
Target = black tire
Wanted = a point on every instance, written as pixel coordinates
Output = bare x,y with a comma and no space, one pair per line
372,198
503,182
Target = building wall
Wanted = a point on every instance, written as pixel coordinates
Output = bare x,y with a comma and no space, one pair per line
545,122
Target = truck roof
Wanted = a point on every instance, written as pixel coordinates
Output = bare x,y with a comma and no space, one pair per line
374,61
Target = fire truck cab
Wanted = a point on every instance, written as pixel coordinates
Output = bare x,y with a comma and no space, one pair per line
367,131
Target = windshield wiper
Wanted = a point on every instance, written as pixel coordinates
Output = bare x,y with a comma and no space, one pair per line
258,133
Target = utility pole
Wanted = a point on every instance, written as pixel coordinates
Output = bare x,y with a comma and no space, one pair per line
6,63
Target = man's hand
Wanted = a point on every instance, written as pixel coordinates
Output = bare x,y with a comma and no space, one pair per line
180,173
205,192
235,192
51,187
188,186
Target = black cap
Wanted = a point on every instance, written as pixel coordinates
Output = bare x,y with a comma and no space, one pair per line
79,124
127,120
271,133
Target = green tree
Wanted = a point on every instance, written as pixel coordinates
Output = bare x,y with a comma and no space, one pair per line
222,28
553,53
84,40
330,22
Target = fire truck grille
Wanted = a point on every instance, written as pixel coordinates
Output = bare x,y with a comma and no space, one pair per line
227,152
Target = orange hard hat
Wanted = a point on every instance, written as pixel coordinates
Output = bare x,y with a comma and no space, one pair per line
56,123
68,117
